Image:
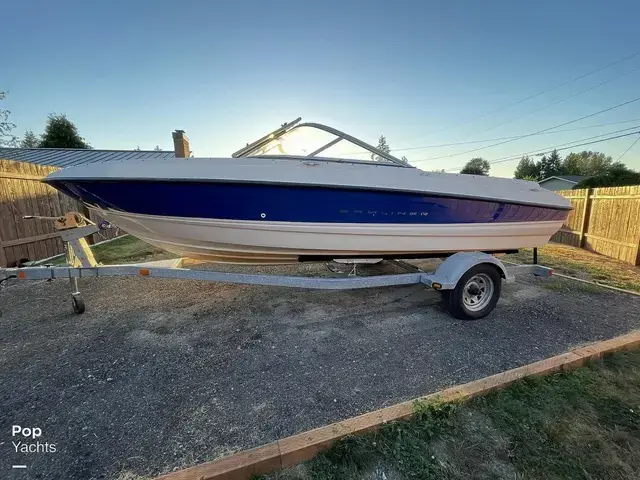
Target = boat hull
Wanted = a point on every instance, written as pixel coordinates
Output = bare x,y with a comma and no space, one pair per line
265,242
285,211
299,203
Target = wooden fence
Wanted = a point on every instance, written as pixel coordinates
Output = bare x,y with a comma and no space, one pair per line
22,193
604,220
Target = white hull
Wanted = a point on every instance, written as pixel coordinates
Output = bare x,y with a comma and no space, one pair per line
263,242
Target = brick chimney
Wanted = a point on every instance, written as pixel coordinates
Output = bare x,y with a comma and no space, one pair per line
181,144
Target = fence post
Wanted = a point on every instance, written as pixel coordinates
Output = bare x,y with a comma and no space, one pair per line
585,217
85,211
3,256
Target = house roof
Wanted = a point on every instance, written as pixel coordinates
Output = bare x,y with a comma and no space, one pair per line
67,157
568,178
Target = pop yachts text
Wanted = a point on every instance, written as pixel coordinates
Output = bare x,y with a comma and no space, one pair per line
37,447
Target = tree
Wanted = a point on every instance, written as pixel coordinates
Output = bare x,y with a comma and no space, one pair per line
30,140
551,165
586,163
617,175
6,137
137,149
60,132
527,169
476,166
530,178
157,149
382,146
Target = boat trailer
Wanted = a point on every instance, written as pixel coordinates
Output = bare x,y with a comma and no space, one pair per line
469,282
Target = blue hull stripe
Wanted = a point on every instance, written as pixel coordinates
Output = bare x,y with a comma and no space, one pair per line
288,203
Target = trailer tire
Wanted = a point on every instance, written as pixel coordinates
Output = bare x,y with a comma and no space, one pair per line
476,293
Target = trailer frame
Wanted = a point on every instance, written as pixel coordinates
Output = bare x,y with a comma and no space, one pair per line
470,282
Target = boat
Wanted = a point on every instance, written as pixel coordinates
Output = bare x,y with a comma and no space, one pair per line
303,193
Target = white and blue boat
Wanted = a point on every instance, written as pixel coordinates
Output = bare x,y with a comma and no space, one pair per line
310,192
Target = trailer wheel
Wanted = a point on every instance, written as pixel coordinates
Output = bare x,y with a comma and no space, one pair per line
77,303
476,293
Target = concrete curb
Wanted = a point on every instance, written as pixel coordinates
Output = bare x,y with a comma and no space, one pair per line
292,450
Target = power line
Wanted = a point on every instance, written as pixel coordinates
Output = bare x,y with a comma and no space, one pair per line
627,150
560,101
470,142
538,152
534,133
505,138
539,93
591,143
541,151
548,149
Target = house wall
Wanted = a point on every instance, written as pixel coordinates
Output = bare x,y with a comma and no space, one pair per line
556,184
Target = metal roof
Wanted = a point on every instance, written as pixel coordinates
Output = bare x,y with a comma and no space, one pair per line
568,178
67,157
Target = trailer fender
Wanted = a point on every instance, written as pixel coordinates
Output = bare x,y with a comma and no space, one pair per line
454,267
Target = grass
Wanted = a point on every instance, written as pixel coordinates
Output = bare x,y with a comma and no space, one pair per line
583,424
583,264
554,284
127,249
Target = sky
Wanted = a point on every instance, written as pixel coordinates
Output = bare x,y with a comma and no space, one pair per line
422,73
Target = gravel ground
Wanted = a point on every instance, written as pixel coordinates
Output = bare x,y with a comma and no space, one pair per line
163,374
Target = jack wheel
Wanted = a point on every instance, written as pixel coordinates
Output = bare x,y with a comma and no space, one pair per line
78,304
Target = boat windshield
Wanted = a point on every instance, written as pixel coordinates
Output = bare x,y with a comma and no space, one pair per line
316,140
